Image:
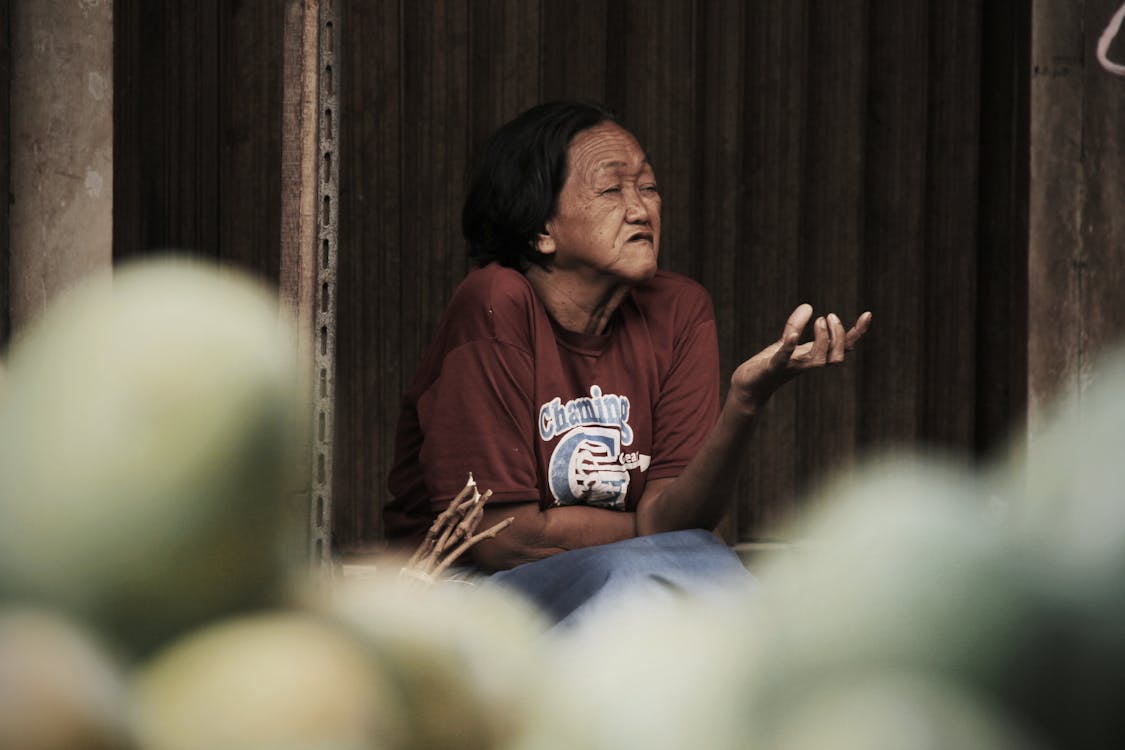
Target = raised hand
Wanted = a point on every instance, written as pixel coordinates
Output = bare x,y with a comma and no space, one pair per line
756,379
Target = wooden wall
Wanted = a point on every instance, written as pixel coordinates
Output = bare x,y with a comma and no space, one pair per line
858,154
197,130
5,170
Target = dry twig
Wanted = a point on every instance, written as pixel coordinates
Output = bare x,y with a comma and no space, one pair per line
452,534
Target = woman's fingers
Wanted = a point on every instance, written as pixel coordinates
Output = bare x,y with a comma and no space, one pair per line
837,339
830,343
818,351
857,331
798,320
790,336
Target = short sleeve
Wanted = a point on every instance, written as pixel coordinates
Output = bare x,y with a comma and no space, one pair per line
687,404
478,417
474,407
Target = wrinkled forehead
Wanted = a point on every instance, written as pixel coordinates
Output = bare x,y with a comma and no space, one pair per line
605,147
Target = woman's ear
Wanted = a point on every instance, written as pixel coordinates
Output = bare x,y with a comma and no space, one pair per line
544,242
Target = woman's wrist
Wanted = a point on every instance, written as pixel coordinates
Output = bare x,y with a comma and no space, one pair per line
746,402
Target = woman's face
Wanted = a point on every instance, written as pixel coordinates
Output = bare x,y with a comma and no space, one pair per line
607,223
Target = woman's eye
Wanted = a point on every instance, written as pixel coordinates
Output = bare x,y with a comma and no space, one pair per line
614,189
650,189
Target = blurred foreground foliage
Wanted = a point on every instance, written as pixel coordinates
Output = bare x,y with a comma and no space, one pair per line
153,592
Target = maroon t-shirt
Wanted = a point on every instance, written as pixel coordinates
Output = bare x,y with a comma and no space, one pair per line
539,413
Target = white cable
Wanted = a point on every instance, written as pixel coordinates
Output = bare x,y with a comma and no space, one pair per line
1107,37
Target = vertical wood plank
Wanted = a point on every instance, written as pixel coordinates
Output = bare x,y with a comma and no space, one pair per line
948,387
249,138
175,140
5,173
832,232
191,111
371,367
652,86
435,110
127,204
197,130
774,102
205,143
895,188
718,205
573,49
718,197
504,62
1001,325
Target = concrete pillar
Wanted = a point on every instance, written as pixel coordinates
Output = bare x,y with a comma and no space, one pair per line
1076,258
61,149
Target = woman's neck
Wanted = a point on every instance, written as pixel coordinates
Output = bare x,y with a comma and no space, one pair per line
576,304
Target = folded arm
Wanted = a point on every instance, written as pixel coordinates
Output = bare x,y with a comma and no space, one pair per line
536,534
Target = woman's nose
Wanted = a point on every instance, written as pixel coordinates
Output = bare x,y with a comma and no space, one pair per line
636,210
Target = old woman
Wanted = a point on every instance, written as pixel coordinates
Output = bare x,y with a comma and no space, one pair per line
580,382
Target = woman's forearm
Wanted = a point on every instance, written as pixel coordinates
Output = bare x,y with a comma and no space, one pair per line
700,495
536,534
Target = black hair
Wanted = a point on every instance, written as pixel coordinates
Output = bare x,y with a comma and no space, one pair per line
516,179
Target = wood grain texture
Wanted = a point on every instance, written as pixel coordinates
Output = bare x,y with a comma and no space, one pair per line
575,39
830,259
862,154
719,207
503,64
1002,303
5,173
128,211
197,145
775,117
249,148
895,221
371,368
434,153
951,244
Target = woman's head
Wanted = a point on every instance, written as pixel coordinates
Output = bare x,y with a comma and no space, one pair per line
516,179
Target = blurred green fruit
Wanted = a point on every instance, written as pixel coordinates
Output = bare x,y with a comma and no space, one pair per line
1068,513
1071,498
273,681
903,567
653,673
891,711
145,445
900,563
466,659
59,688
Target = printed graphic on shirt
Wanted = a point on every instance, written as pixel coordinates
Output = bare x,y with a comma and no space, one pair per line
588,465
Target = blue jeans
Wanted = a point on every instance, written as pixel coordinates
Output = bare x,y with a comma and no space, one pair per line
570,586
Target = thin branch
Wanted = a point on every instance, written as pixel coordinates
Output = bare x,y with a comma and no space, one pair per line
454,529
486,534
440,523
